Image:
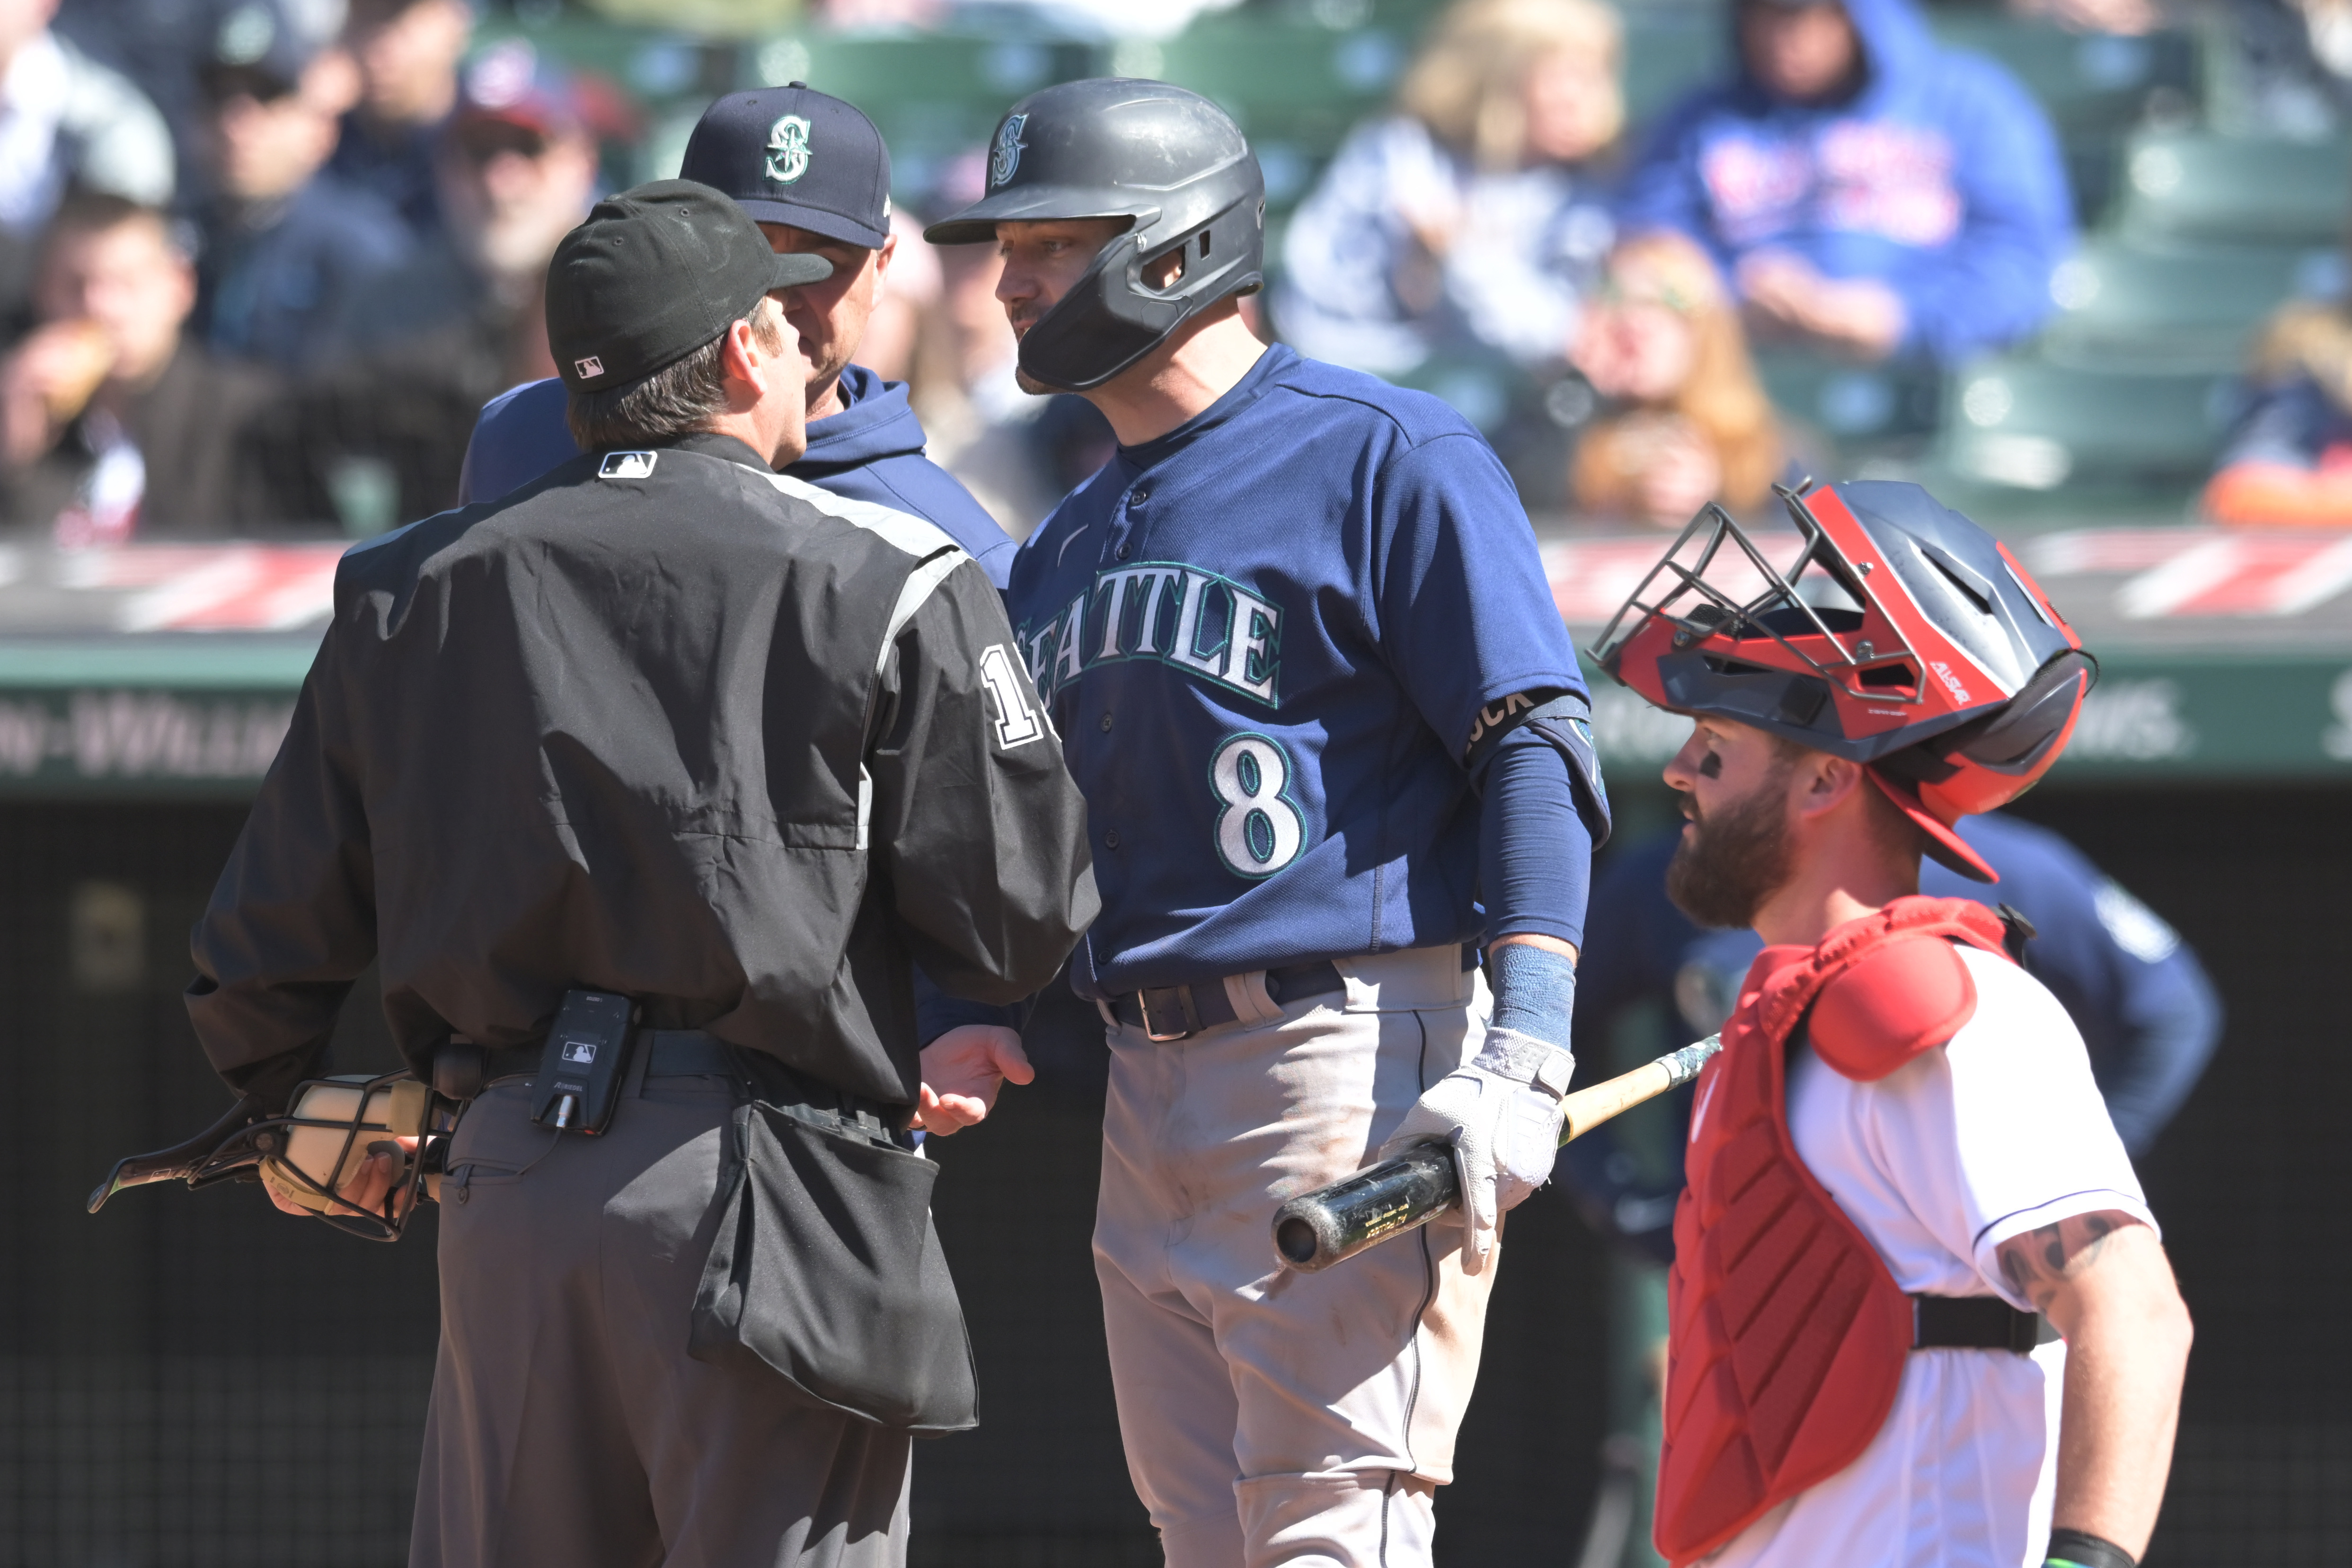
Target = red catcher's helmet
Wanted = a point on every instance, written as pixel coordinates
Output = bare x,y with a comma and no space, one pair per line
1903,636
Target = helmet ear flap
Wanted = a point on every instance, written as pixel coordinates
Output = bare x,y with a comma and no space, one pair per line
1990,761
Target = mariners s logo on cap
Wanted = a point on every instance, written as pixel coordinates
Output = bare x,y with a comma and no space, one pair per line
1007,154
788,149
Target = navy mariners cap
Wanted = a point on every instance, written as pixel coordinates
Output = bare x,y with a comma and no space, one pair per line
793,154
653,275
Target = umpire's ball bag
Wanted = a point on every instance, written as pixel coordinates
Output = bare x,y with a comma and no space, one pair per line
825,1270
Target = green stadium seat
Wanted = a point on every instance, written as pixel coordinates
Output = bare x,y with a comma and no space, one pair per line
2022,423
2196,187
2088,82
1853,405
2185,307
1669,51
933,95
1296,87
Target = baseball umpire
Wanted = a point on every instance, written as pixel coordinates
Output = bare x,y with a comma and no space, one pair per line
1902,1176
666,726
814,172
1299,642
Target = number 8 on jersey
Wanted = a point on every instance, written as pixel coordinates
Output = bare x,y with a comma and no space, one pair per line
1260,830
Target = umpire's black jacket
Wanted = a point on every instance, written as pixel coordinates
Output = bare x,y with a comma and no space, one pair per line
662,723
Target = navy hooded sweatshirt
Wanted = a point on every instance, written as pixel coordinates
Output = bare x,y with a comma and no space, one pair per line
871,451
1939,177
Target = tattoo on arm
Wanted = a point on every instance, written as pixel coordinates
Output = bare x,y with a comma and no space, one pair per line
2034,1262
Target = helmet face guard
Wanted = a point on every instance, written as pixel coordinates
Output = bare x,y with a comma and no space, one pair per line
1901,637
1111,318
312,1154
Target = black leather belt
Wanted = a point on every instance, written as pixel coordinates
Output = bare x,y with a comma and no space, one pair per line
1166,1013
672,1053
1976,1324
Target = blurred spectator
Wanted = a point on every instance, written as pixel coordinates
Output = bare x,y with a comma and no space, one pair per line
381,436
1691,423
516,173
1869,192
2289,462
112,422
1468,223
288,247
65,120
407,53
910,295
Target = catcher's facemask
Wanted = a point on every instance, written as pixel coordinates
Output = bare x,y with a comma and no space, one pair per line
314,1152
1902,635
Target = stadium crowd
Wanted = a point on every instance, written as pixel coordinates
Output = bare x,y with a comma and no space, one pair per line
262,261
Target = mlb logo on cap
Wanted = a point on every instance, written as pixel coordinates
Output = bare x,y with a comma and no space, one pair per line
590,368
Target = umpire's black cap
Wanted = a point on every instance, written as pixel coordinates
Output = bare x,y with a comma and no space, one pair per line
653,275
793,154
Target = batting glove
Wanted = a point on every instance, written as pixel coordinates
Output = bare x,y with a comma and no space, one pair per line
1501,1113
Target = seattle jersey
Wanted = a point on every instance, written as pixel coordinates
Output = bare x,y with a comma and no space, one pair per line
1267,638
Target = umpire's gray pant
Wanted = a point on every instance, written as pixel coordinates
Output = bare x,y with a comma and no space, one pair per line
569,1429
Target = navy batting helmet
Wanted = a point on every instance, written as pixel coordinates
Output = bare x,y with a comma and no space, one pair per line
1169,160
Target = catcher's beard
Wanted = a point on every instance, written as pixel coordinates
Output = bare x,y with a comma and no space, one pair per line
1734,857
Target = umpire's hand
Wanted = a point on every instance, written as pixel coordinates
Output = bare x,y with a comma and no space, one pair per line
963,1071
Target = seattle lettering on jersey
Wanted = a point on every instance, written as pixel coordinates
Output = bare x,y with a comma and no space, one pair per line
1163,610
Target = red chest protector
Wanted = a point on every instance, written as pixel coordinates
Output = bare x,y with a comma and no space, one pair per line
1789,1335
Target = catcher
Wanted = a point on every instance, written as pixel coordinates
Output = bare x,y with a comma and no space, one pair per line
1920,1316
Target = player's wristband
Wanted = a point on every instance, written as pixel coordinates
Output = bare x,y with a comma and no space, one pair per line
2073,1548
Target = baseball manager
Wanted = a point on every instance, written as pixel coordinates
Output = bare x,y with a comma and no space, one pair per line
814,172
667,726
1299,643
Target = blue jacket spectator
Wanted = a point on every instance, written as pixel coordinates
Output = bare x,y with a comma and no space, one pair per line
2147,1011
1867,189
287,248
872,451
1465,226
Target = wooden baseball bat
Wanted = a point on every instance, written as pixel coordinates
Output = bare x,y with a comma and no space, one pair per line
1317,1230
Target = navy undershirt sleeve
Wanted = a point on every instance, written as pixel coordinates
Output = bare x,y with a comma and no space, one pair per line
1535,849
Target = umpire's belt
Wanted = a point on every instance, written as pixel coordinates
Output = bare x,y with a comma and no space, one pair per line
1179,1012
669,1053
1976,1324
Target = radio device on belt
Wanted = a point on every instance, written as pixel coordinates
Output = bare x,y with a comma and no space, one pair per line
586,1056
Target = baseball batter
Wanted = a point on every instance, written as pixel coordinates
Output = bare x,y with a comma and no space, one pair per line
1902,1178
1332,737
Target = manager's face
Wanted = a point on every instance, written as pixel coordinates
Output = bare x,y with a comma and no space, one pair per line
831,316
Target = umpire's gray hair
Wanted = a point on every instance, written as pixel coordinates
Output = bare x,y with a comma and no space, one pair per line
676,400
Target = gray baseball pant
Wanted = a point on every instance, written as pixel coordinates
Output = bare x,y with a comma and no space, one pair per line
568,1428
1275,1419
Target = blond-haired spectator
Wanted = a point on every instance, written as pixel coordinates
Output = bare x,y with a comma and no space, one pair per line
1691,423
1469,221
2289,462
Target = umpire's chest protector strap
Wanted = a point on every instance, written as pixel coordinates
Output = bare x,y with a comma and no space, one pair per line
1789,1335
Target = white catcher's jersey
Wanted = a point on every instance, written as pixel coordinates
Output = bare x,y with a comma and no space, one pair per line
1996,1133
